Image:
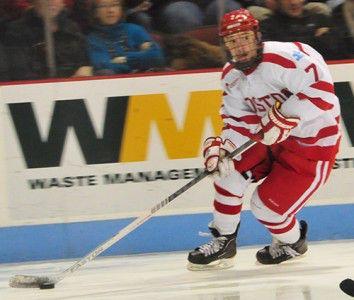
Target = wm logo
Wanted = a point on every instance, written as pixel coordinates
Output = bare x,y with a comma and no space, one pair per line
127,126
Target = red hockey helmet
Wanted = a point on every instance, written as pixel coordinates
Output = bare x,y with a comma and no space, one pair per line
237,21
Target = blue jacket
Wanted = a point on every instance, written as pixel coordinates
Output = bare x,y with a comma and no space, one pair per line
123,39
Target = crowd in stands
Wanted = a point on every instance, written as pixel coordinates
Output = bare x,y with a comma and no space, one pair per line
105,37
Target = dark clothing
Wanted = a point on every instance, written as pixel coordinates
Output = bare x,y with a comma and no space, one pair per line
342,27
132,3
4,67
80,14
282,28
25,41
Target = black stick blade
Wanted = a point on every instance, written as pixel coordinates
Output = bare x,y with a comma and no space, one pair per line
26,281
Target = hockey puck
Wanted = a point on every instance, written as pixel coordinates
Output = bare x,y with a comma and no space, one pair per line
347,286
47,286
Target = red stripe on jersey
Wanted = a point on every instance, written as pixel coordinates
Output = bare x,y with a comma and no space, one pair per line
300,47
240,130
322,171
323,86
285,229
249,119
279,60
323,133
223,192
317,101
226,70
227,209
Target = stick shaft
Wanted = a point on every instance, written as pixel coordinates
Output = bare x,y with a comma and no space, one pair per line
142,219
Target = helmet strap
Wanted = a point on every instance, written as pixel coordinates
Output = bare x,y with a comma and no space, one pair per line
254,62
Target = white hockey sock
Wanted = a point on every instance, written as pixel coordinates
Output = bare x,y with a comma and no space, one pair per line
225,224
291,236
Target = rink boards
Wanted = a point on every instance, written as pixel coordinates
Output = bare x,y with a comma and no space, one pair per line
80,159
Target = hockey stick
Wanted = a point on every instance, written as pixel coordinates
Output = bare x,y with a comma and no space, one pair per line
47,282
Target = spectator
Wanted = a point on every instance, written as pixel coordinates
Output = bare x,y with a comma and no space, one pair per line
119,47
181,16
291,22
343,16
185,53
10,10
25,40
136,11
262,9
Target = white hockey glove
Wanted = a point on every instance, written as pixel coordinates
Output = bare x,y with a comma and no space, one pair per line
215,152
275,127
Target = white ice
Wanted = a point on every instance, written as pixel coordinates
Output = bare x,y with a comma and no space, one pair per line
164,276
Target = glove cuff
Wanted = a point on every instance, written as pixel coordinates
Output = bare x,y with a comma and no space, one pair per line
281,121
211,142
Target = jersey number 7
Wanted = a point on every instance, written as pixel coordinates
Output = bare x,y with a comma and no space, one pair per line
314,68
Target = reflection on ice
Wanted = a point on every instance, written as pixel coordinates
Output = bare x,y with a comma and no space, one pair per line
164,276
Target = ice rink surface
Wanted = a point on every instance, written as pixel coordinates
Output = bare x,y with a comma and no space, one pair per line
164,276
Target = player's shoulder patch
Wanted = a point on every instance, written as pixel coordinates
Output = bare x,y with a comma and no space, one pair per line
297,55
285,49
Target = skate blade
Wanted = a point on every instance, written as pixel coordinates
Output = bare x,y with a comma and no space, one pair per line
221,264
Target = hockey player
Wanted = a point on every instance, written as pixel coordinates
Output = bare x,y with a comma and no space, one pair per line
282,95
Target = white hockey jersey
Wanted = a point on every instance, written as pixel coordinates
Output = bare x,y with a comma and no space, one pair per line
296,75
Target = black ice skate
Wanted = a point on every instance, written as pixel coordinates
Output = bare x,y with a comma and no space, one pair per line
219,253
278,252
